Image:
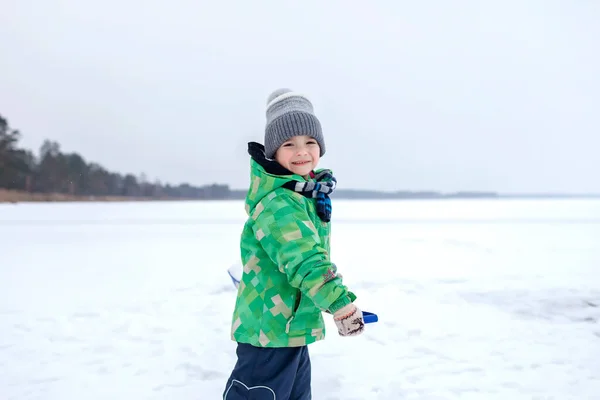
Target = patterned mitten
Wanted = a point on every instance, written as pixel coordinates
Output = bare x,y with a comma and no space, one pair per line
349,320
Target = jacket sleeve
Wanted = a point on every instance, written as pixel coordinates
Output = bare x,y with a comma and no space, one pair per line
291,240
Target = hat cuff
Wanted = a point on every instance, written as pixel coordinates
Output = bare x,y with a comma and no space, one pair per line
288,125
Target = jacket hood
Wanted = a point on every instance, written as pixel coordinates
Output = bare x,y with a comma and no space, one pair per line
266,175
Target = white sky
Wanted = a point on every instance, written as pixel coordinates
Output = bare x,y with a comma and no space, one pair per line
461,95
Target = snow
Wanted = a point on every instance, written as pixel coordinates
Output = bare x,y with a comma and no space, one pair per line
477,299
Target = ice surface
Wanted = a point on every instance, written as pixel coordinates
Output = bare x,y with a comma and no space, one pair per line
477,299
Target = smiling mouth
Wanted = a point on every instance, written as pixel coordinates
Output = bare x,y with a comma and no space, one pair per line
300,162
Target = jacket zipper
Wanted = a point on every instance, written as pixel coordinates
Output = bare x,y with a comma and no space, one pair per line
296,306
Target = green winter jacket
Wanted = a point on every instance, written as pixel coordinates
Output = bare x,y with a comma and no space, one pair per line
288,278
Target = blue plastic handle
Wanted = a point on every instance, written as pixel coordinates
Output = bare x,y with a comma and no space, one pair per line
369,317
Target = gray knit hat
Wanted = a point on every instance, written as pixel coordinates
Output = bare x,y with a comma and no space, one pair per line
290,114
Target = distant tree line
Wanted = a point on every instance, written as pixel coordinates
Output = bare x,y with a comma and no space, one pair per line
52,171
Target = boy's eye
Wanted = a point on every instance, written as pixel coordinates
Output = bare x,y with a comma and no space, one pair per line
311,142
287,144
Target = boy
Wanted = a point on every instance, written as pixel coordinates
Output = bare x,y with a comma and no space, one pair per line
288,278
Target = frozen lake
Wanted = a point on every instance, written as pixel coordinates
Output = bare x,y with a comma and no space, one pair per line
477,299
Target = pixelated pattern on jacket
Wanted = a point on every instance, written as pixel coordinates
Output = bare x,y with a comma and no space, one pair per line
288,278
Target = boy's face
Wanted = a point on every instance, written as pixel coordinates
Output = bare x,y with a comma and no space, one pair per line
299,154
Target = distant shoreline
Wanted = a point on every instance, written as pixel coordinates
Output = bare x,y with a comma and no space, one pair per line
14,196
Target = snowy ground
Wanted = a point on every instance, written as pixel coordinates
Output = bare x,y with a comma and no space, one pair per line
476,299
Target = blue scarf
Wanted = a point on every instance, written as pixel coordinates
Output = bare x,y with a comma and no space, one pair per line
320,190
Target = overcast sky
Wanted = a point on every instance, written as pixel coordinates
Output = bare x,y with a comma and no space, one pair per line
412,95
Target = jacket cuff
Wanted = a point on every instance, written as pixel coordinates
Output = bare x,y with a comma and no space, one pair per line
340,303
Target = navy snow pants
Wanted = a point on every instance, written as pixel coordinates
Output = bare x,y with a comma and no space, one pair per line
269,374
